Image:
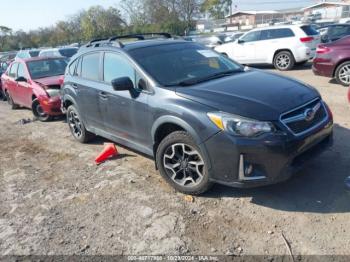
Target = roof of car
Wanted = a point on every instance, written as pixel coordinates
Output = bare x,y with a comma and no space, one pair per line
128,46
279,26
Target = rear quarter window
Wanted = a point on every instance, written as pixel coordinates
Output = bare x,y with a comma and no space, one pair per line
309,30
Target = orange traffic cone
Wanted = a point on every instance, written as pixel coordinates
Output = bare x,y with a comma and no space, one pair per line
109,151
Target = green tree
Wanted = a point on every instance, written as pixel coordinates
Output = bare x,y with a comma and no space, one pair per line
217,9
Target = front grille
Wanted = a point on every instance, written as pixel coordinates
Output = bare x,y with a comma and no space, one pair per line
306,117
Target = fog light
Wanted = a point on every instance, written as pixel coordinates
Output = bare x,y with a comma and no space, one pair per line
246,171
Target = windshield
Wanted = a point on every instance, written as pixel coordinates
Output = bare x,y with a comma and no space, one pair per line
173,64
46,68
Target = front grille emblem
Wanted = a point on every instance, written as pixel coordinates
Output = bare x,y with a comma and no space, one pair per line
310,113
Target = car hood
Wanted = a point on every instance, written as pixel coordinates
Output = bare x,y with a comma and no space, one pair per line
50,81
254,94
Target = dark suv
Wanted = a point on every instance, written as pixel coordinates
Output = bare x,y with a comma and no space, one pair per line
203,117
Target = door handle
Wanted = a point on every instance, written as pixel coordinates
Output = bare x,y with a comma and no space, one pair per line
103,95
75,86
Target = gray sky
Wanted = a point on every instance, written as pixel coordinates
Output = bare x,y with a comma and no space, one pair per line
26,15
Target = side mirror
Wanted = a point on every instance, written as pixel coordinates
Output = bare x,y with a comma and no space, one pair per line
240,41
122,84
21,79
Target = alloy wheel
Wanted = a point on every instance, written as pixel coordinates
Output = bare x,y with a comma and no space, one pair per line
344,74
283,61
75,124
183,164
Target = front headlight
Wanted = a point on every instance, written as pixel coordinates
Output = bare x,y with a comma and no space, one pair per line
240,126
53,92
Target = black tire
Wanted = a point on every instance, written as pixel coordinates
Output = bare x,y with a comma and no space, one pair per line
10,101
343,69
284,61
2,95
38,111
77,127
179,138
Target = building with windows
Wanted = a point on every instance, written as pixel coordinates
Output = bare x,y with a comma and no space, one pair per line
328,10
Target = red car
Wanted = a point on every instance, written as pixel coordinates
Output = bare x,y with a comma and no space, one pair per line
333,60
35,83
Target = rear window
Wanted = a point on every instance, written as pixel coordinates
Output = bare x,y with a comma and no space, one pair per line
309,30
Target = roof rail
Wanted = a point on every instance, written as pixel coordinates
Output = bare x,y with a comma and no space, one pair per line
140,36
113,40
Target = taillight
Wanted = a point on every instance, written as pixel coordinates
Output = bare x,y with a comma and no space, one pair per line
322,49
306,39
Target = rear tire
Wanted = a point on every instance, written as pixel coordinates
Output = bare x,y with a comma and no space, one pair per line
77,127
182,164
342,74
284,61
2,96
38,111
10,101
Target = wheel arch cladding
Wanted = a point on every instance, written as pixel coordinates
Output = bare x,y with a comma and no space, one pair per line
171,124
282,50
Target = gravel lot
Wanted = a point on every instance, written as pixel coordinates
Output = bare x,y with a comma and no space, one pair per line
54,200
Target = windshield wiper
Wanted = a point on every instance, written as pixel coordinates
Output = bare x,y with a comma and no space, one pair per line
194,81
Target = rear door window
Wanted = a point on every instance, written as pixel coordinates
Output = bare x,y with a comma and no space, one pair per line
90,66
13,71
309,30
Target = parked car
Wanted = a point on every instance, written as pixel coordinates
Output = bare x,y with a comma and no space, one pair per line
2,95
24,54
56,52
203,117
35,83
7,57
210,41
281,46
333,60
233,36
334,32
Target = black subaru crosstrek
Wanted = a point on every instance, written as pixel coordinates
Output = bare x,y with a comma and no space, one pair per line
203,117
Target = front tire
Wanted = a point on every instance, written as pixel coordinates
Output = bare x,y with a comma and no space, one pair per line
76,126
284,61
182,164
39,112
342,74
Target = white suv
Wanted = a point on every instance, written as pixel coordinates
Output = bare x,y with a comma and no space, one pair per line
282,46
